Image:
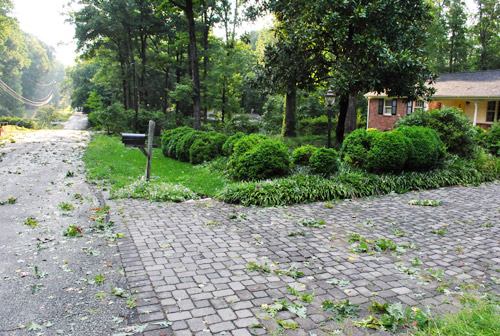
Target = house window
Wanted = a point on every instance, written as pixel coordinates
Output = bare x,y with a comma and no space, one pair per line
409,108
490,112
419,105
390,106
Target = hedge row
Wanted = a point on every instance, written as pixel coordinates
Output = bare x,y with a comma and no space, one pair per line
186,144
26,123
406,148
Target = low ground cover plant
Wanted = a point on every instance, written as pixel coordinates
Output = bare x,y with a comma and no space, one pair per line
156,191
355,183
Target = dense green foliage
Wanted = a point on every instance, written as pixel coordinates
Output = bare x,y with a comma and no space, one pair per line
245,144
207,147
324,161
27,66
266,159
454,128
26,123
227,148
352,183
314,126
301,155
426,148
388,153
183,146
356,146
491,138
406,148
170,138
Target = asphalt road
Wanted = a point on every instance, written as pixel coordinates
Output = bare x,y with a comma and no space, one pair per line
78,121
52,284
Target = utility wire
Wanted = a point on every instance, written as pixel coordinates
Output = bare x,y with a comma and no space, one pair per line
24,100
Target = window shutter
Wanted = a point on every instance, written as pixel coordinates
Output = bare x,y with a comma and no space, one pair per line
380,106
394,106
409,108
498,113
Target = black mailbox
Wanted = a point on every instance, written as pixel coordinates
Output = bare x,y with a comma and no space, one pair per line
132,139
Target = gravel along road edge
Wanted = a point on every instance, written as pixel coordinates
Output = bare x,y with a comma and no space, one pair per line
60,271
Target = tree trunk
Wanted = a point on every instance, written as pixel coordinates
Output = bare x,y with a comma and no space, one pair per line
206,33
343,106
351,116
288,129
452,45
165,93
194,62
144,68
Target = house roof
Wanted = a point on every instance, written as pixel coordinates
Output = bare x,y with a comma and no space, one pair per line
478,84
474,84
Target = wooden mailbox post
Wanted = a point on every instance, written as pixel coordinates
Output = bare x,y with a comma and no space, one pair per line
139,141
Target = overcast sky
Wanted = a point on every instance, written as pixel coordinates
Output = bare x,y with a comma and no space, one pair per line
45,19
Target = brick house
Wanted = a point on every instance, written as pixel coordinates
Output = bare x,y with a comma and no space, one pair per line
475,93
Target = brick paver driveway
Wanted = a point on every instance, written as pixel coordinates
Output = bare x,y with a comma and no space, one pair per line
189,262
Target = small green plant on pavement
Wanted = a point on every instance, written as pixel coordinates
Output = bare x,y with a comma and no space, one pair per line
11,200
66,206
432,203
73,231
393,316
312,223
31,221
341,310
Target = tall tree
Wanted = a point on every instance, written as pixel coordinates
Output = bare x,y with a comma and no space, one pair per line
487,30
371,45
13,59
289,66
188,8
458,46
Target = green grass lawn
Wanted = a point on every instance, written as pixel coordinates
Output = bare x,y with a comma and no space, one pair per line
108,159
479,319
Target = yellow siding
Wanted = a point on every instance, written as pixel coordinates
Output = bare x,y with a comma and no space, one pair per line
468,108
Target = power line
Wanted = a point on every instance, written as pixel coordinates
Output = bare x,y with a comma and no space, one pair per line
24,100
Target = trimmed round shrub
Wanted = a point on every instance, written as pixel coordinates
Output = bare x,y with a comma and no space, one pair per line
246,143
356,146
388,153
454,128
169,140
301,155
218,139
184,144
324,161
426,150
491,138
227,148
267,159
203,149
